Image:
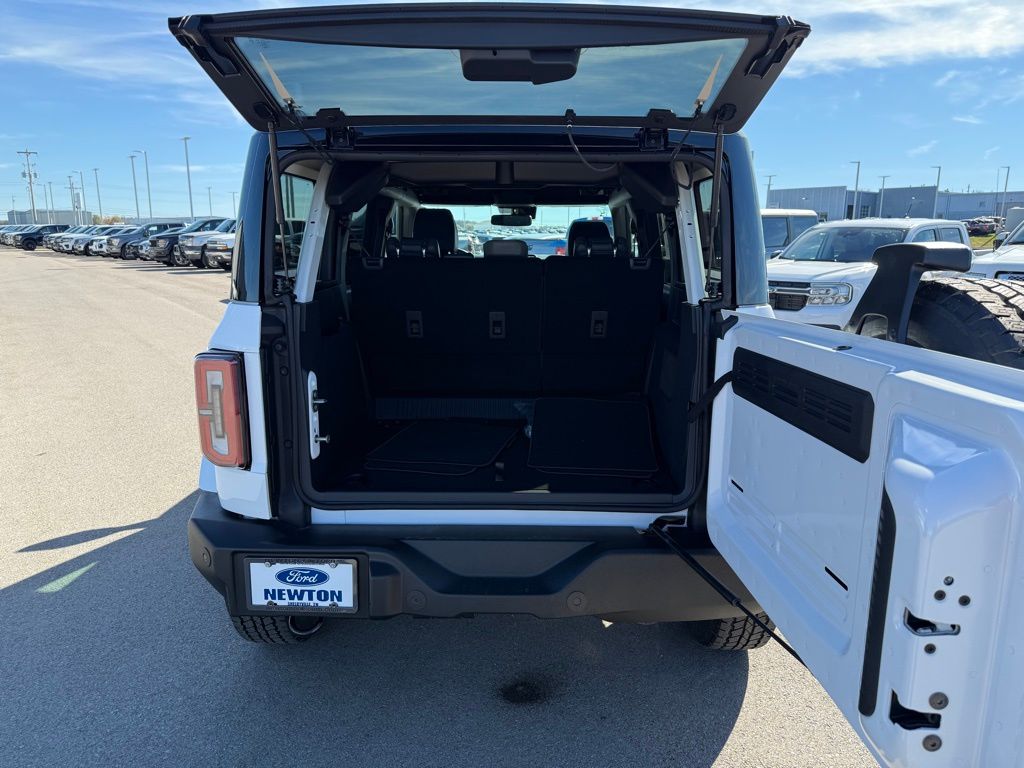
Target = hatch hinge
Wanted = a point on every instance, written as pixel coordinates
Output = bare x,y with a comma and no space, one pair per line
660,528
787,37
189,33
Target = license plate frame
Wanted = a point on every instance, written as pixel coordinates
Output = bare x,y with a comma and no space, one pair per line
260,579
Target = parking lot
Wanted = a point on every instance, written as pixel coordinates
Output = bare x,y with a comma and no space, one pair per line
117,653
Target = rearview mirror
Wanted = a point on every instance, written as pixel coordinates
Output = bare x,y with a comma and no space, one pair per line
774,254
511,220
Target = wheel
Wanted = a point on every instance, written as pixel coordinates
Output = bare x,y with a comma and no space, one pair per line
179,259
277,630
970,317
124,252
735,634
207,261
28,245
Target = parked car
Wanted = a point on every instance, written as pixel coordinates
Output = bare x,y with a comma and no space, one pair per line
98,245
1004,263
48,240
218,250
7,237
82,243
387,434
781,226
119,242
823,274
193,244
62,243
165,246
982,226
29,239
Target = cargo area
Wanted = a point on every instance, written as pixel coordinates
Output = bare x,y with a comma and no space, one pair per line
559,363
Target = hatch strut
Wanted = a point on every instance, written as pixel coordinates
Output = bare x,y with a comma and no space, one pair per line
658,529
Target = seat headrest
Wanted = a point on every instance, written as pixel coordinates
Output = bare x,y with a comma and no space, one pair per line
436,224
417,248
508,248
585,229
594,248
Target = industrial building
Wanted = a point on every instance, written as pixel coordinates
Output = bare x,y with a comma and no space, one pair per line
896,202
43,216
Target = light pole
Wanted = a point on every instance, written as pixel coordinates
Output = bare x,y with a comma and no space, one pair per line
46,200
856,189
768,192
29,175
149,196
881,196
1006,184
209,198
135,186
74,202
188,176
81,180
234,205
938,178
99,200
49,184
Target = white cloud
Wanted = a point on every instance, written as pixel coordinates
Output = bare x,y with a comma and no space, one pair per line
969,119
990,151
946,78
922,149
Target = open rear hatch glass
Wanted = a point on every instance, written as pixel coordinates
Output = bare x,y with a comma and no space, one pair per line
495,63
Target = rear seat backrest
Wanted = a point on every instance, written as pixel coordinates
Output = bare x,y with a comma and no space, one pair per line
600,316
458,327
436,224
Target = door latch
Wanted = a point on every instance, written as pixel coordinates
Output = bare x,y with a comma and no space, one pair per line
315,403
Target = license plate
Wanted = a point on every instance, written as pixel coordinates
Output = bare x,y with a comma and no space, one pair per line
321,585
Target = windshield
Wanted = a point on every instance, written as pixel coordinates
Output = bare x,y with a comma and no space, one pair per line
228,225
365,80
1017,236
845,244
196,226
546,236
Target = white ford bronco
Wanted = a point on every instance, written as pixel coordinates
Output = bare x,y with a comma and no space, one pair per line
391,425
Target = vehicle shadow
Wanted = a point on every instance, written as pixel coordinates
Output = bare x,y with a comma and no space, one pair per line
124,655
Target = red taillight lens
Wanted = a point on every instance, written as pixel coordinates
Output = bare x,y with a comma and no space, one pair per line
559,250
220,405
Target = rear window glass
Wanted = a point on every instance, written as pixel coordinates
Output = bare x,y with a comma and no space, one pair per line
297,200
950,235
367,80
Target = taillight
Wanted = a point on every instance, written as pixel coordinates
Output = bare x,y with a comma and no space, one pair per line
559,250
220,406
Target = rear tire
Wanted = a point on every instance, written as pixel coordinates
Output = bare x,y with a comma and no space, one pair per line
734,634
277,630
970,317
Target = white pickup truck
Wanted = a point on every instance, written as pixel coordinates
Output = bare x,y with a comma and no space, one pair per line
1004,263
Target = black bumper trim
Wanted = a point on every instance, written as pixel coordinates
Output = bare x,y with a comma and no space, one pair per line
450,571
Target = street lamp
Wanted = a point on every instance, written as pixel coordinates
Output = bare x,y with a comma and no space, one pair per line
938,178
209,198
85,206
856,188
234,205
768,192
149,195
188,176
135,187
881,196
99,200
1006,184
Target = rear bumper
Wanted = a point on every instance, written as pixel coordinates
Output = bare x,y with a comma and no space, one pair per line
614,573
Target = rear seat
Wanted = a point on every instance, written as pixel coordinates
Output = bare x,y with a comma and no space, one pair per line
460,327
505,325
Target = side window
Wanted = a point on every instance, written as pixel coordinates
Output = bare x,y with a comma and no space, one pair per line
950,235
296,199
712,256
925,236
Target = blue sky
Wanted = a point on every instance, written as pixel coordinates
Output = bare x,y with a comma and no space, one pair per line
901,85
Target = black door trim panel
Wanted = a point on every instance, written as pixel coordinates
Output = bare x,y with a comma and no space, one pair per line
838,414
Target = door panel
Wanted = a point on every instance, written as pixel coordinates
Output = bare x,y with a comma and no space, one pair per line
895,572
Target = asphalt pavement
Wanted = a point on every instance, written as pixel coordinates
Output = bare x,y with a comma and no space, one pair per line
114,651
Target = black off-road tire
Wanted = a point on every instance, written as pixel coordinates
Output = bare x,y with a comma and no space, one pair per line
736,634
970,317
276,630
